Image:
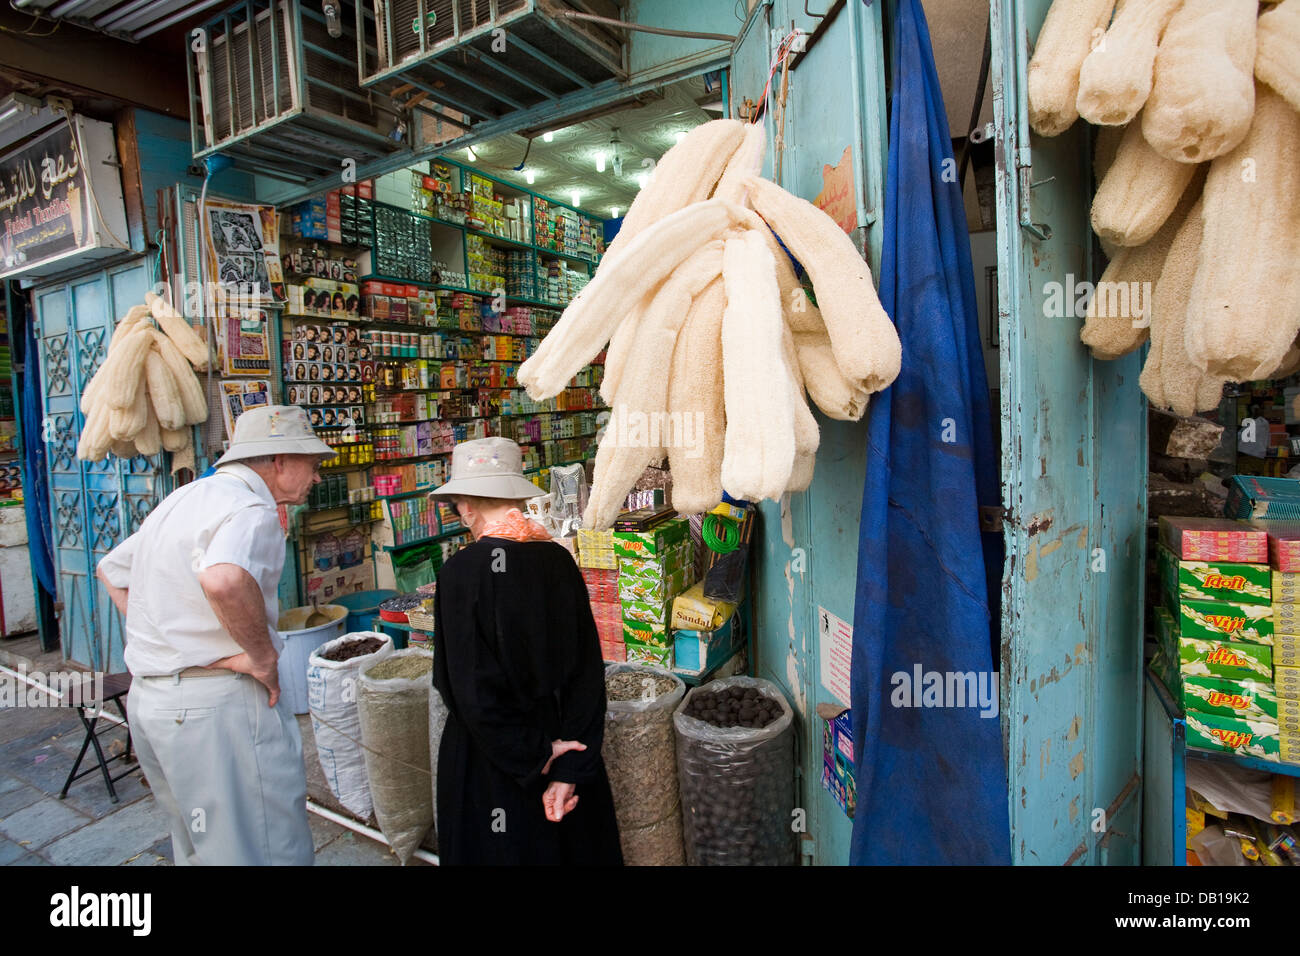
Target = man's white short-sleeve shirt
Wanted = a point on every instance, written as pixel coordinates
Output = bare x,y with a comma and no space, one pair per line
229,517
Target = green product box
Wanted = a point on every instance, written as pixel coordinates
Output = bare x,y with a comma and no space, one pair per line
1233,582
1167,633
638,653
649,612
658,589
1248,699
648,544
675,559
645,632
1248,738
1218,620
1167,673
1231,659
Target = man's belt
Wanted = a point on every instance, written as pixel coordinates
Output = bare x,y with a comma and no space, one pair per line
193,672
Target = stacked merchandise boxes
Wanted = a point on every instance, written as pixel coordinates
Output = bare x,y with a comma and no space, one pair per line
1216,634
600,571
656,562
1284,559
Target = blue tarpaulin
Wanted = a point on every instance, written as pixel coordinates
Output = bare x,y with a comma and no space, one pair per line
931,779
36,490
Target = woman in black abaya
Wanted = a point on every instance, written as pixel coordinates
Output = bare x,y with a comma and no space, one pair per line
517,662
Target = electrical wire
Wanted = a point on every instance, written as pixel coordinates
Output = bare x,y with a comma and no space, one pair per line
90,186
527,150
638,27
719,533
782,54
36,18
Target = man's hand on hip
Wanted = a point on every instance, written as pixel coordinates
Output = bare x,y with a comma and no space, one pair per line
265,673
237,601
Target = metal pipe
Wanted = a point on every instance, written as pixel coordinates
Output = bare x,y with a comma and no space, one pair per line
149,14
355,827
639,27
184,14
113,16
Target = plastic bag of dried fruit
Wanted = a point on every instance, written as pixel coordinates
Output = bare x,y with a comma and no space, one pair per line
736,781
641,762
335,725
393,702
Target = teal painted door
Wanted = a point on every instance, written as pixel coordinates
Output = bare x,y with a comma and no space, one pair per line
807,546
93,505
1074,489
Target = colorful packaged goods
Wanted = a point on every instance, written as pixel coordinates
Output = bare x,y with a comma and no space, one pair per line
1218,620
1283,543
645,632
1231,659
1247,699
649,612
1213,539
1250,738
1286,587
1236,583
1250,496
692,611
651,654
1286,682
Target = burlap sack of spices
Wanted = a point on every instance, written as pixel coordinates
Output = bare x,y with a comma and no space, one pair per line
393,702
640,757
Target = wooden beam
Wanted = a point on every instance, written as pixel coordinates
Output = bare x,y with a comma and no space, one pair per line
95,66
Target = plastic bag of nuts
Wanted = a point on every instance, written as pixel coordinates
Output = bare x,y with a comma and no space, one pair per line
641,761
737,782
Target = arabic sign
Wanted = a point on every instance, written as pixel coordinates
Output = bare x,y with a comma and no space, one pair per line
44,207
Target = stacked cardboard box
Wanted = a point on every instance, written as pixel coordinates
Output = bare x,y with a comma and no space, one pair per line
656,562
1283,547
1216,634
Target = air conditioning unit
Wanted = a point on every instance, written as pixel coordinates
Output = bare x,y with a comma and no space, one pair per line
481,60
271,88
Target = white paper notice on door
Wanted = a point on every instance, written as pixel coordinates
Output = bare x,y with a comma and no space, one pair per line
835,653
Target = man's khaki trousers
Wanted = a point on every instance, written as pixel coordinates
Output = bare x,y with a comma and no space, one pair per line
227,769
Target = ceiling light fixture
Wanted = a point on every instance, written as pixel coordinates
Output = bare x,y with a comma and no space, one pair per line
614,142
472,155
640,181
531,176
600,161
548,137
679,136
613,212
576,197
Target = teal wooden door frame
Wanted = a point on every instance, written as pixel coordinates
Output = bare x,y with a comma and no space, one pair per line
1074,490
93,505
806,548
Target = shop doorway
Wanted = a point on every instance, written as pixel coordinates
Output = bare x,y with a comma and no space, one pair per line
93,505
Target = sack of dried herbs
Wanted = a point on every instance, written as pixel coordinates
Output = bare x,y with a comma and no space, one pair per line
332,700
735,767
393,702
640,760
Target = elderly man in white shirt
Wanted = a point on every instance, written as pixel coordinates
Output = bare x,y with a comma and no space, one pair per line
197,586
